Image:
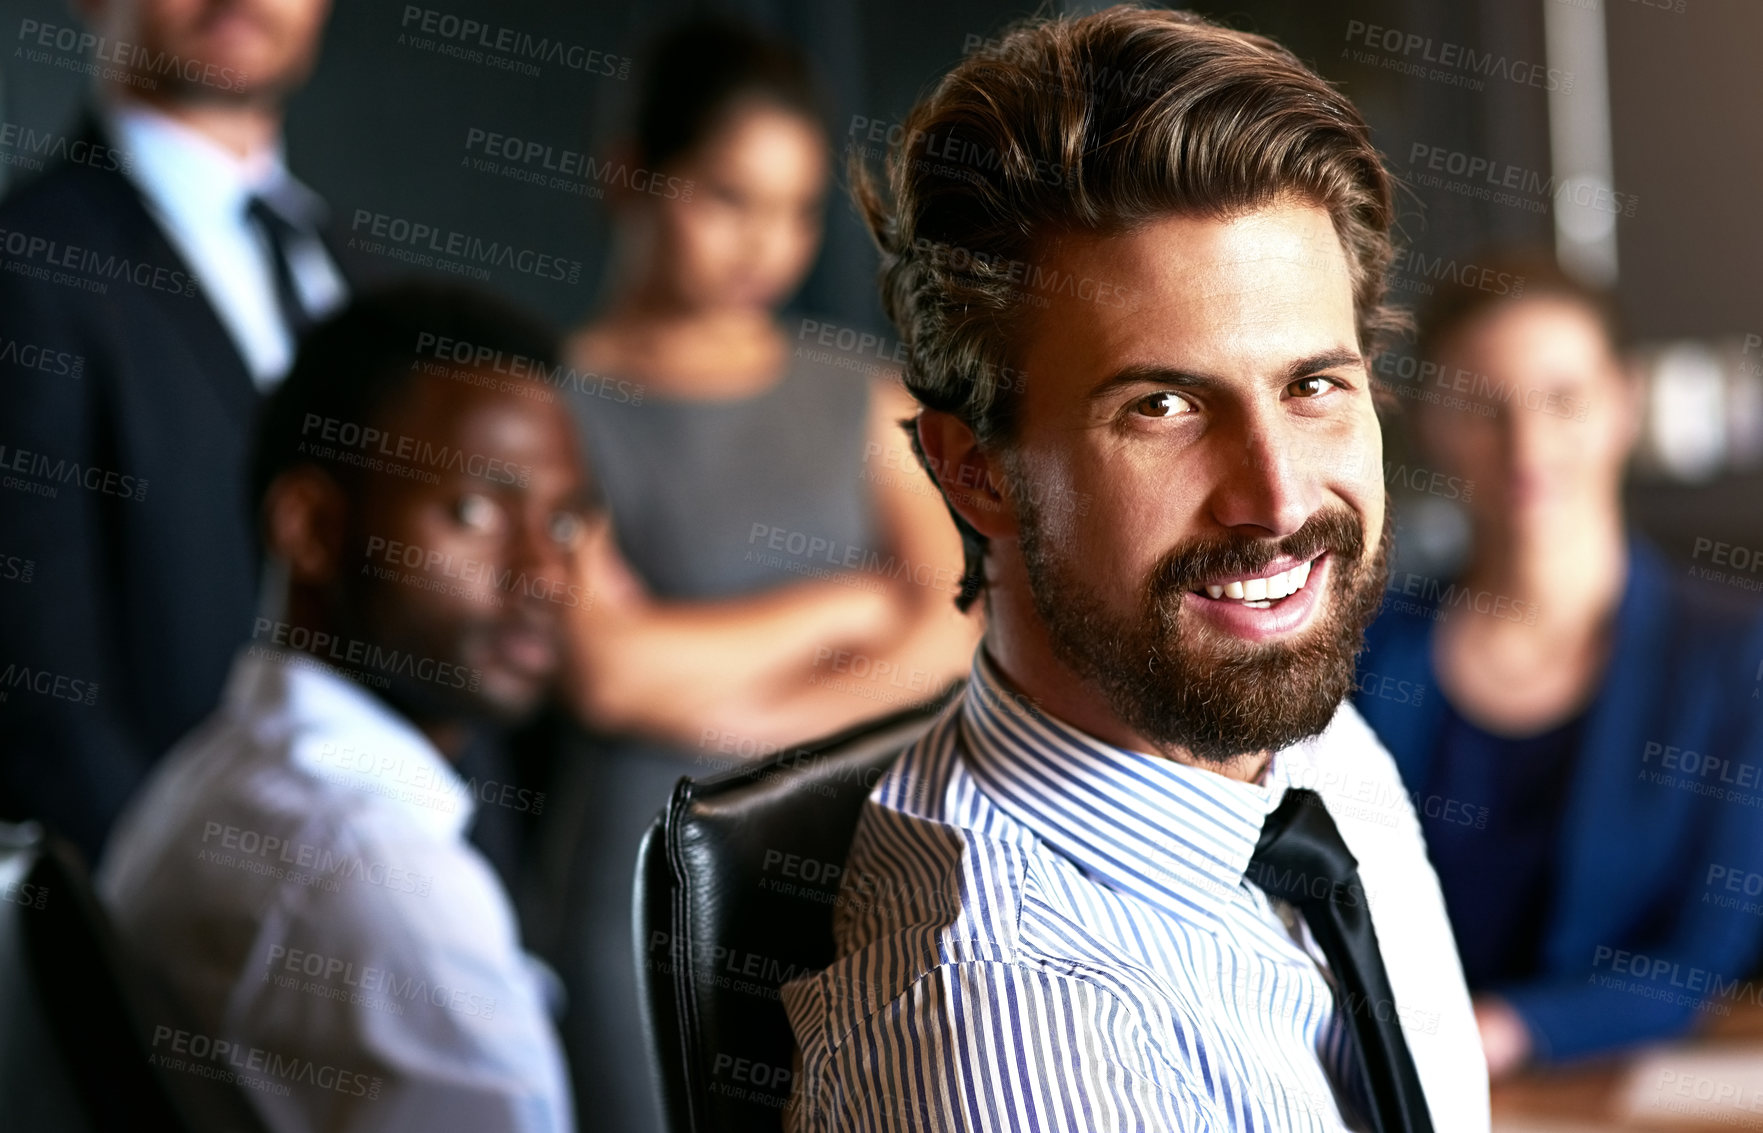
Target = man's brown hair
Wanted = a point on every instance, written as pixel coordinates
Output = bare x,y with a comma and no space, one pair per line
1096,124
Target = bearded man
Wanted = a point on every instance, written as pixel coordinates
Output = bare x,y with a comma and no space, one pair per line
1151,872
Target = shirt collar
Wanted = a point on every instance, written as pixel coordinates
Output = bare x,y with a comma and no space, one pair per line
191,181
335,730
1168,833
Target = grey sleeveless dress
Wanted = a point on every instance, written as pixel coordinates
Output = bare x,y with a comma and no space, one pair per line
709,499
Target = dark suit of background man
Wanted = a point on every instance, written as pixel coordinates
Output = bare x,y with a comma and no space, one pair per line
152,285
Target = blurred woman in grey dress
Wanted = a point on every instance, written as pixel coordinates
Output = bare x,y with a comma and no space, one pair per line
778,565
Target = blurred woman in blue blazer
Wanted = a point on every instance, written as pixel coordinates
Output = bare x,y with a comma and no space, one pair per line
1575,717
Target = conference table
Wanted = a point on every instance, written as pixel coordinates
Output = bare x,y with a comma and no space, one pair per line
1712,1079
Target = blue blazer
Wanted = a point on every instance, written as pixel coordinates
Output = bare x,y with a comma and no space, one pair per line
1658,882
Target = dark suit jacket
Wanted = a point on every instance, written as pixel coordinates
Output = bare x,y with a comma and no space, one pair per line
1645,920
128,552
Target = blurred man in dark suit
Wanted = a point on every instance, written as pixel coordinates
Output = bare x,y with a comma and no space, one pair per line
153,284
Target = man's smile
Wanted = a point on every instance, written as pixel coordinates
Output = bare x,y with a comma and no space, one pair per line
1280,579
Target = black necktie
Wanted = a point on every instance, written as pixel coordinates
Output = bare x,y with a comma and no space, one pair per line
1302,859
280,233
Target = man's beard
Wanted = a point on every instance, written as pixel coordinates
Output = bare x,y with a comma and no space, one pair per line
1195,687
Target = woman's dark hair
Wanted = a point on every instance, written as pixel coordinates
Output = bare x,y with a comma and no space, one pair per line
1526,273
701,70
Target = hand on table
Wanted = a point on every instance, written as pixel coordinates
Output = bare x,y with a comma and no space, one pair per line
1505,1040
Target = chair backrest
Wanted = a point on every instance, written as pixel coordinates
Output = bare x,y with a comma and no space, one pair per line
74,1013
735,888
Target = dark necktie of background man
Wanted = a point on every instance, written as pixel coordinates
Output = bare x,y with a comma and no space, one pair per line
280,233
1302,859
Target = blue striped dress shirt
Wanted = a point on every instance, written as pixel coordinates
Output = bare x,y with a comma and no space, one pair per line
1037,930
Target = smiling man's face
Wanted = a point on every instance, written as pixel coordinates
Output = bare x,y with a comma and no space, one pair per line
1197,480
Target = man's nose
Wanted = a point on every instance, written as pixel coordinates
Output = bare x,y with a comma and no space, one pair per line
1274,485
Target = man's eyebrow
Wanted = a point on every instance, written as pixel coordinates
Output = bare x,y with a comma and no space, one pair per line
1148,374
1316,363
1152,374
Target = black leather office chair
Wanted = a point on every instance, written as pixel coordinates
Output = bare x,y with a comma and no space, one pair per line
735,886
74,1015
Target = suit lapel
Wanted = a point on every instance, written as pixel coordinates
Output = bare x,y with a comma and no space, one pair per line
212,358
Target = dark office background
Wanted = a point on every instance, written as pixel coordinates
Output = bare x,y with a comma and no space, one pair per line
383,127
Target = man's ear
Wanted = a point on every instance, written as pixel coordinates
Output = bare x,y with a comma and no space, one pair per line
305,517
972,480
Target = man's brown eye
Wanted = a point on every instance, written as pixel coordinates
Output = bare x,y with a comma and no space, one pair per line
1310,387
1161,404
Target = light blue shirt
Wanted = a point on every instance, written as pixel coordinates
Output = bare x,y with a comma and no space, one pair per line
198,192
1041,931
296,875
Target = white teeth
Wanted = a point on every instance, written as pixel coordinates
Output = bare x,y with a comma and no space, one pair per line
1259,593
